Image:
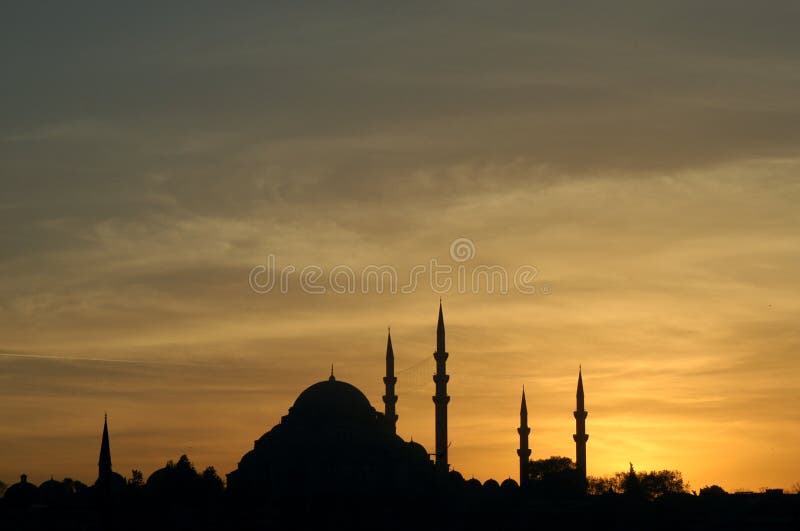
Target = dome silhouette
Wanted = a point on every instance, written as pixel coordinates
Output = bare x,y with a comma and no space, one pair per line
22,493
332,441
332,401
509,483
491,484
417,450
52,492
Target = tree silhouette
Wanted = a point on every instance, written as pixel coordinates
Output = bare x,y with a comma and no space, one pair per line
631,486
712,490
555,477
137,478
602,485
643,485
211,484
659,483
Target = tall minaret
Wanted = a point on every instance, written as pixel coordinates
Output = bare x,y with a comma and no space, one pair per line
441,399
580,436
390,399
104,463
524,451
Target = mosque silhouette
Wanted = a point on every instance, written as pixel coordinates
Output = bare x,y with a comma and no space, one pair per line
333,440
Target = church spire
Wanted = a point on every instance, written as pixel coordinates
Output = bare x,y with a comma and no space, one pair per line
390,398
580,436
524,451
440,398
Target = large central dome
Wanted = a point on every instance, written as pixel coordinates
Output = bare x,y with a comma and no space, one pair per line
333,401
331,442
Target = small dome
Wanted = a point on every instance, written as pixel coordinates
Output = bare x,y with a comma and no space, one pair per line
455,477
22,493
417,450
508,484
473,483
53,492
333,401
491,484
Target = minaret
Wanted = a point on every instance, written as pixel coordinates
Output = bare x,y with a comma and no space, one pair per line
524,451
580,436
104,464
441,399
390,399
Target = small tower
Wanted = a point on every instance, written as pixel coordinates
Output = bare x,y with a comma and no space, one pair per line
441,399
524,451
390,399
104,463
580,436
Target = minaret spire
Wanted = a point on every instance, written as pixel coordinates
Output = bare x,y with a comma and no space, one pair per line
440,330
524,451
580,436
440,398
390,398
104,463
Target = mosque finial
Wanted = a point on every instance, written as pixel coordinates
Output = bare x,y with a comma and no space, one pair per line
331,379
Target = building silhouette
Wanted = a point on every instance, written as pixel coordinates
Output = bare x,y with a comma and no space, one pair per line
333,441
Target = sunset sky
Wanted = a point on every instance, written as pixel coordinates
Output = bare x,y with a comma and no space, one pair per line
643,157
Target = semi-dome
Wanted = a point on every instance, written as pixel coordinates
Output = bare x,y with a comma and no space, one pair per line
333,401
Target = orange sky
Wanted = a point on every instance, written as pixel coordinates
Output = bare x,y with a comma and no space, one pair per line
643,159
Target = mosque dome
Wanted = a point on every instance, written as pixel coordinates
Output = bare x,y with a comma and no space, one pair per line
509,484
491,484
53,492
332,441
417,450
473,483
332,401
